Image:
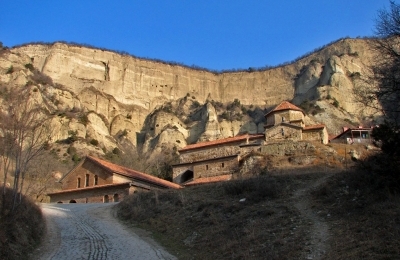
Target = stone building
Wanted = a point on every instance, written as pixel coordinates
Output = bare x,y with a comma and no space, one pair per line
213,159
286,122
96,180
216,160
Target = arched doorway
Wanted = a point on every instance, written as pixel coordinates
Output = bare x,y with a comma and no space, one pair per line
186,176
116,197
72,201
105,199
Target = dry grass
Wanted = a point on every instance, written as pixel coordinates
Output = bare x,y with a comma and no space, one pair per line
360,207
21,230
365,211
207,222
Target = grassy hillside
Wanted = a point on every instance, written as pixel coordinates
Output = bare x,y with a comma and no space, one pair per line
214,221
20,230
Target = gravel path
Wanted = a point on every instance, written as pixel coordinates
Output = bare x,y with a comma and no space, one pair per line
318,229
89,231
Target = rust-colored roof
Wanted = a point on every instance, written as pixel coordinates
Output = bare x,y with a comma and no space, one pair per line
91,188
221,141
284,105
226,177
312,127
132,173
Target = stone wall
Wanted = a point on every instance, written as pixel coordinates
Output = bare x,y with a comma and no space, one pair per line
215,167
94,195
283,132
209,152
284,116
91,170
207,168
319,135
288,148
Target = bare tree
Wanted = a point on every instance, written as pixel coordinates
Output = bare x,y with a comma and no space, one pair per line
381,89
25,135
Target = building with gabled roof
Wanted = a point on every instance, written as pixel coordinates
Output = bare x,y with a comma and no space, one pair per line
354,135
286,122
207,161
210,159
97,180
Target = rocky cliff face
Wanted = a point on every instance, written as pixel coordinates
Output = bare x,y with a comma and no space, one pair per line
107,96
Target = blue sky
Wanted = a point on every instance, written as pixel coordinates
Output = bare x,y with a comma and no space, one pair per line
214,34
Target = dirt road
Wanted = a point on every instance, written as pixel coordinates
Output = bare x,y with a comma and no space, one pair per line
89,231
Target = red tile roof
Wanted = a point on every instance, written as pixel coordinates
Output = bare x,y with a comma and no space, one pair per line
285,105
226,177
237,138
132,173
312,127
91,188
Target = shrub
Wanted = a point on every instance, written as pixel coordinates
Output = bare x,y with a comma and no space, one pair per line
83,119
335,103
10,70
94,142
71,150
29,66
116,151
75,158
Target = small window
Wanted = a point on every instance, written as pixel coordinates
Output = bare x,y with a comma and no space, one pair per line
206,167
282,131
87,180
78,184
222,165
96,180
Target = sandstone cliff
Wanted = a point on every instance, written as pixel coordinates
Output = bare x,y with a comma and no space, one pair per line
110,97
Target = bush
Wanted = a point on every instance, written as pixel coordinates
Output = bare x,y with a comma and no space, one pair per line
335,103
71,150
10,70
20,231
75,158
84,119
29,66
94,142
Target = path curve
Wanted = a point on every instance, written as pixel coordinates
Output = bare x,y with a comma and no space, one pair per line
318,229
89,231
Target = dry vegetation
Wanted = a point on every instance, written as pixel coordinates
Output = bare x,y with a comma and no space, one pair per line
210,221
360,207
20,230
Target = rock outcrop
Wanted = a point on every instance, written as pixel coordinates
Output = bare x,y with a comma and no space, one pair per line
107,96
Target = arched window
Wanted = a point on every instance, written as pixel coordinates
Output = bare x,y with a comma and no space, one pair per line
106,199
116,197
78,183
96,180
86,180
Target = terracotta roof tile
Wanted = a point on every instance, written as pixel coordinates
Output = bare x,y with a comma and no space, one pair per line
226,177
221,141
133,174
285,105
311,127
